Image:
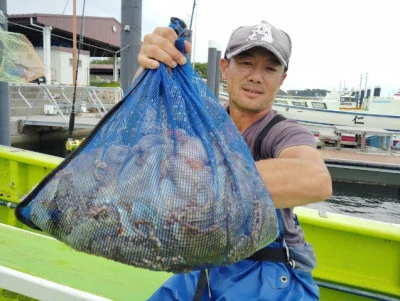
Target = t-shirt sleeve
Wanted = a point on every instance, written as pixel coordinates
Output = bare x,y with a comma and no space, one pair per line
286,134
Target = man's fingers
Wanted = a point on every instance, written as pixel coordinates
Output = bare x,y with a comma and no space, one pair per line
150,55
188,47
159,46
148,63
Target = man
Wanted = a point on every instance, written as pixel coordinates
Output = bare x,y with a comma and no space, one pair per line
254,67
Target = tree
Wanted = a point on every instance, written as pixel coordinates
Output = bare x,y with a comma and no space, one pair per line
108,60
201,69
308,93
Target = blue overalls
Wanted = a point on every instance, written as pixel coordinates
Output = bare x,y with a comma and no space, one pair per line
246,280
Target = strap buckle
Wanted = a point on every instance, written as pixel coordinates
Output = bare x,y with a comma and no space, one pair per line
290,262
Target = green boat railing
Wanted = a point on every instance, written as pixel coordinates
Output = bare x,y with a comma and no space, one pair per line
354,255
358,259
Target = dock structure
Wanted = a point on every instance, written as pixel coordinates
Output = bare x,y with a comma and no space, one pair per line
328,138
81,122
45,109
361,134
361,166
351,160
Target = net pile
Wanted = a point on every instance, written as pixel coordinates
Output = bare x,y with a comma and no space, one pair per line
19,62
164,182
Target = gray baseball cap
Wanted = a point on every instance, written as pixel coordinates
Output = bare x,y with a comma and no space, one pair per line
264,35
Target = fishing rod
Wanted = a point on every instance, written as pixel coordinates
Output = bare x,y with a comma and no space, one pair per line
191,17
8,204
71,142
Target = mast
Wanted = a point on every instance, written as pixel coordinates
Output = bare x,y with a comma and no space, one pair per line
359,100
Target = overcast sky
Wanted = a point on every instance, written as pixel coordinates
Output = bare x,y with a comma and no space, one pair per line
335,42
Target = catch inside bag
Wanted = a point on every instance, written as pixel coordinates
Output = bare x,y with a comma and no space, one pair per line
164,182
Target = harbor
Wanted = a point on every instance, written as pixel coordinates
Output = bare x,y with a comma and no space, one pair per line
42,113
357,133
354,165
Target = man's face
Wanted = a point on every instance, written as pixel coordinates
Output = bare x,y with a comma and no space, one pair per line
253,79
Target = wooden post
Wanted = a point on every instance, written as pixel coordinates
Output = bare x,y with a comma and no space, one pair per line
74,50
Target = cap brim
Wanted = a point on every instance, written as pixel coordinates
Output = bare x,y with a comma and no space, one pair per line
263,45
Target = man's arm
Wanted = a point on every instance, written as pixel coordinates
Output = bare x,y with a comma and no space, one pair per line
297,177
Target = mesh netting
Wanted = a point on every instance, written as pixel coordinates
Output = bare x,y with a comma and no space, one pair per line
164,182
19,62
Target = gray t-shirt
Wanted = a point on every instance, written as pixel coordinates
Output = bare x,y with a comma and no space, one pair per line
284,134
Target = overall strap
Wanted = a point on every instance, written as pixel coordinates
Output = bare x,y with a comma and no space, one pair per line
257,145
201,285
278,253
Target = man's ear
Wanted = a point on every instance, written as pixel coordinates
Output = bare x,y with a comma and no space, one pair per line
223,66
283,78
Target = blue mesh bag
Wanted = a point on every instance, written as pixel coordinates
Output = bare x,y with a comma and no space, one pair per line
164,181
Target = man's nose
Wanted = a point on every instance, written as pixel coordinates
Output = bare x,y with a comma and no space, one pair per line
256,75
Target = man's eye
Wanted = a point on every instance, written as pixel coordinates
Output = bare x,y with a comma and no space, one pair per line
271,69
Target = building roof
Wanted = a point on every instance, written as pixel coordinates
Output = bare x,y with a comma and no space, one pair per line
102,67
100,36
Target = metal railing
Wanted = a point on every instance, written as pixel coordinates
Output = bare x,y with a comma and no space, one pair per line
57,100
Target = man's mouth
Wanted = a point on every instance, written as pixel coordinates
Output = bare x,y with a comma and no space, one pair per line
252,91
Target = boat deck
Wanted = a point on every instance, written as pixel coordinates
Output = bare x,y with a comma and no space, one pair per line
343,154
46,269
41,267
364,166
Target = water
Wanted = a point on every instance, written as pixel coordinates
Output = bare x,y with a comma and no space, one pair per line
51,144
379,203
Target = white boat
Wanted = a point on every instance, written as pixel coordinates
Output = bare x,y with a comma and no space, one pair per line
341,109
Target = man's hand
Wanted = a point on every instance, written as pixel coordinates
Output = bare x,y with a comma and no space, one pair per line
159,46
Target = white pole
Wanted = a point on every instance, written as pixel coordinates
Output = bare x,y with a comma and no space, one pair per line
47,52
115,67
42,289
